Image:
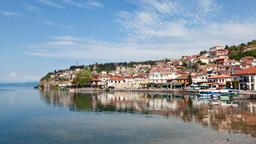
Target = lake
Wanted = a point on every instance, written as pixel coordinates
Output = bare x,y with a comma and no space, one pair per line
30,116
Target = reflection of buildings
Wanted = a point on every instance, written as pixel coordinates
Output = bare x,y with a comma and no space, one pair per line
137,101
234,119
252,107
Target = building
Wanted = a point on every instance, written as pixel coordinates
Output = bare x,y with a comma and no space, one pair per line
221,80
113,81
246,78
182,80
215,48
160,75
199,78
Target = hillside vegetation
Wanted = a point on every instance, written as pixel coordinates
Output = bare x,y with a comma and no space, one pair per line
236,51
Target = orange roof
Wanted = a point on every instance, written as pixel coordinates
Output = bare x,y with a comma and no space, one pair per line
182,77
129,77
219,76
249,71
116,78
139,76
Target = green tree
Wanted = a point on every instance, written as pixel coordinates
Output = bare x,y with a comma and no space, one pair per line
82,78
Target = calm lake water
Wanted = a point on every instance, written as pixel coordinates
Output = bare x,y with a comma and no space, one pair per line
29,116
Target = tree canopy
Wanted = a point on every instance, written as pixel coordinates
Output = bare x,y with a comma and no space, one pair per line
82,78
239,55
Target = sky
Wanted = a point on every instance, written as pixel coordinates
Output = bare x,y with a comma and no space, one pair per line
39,36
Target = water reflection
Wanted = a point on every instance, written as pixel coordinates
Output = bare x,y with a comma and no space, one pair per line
235,119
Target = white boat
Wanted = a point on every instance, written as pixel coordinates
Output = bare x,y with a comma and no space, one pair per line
208,94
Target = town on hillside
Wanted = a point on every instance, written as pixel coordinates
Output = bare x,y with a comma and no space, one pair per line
229,67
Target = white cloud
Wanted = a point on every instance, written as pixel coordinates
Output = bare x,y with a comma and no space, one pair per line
65,3
155,29
31,8
208,6
8,13
93,3
73,3
57,25
51,3
72,47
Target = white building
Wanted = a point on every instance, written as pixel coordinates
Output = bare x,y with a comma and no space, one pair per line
220,79
200,78
217,48
113,81
160,77
246,78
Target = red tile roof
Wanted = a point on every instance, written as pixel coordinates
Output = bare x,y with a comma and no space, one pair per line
219,76
249,71
116,78
182,77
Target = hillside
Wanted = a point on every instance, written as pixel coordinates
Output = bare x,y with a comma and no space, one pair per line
238,51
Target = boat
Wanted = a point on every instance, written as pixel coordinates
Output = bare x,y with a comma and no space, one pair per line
230,94
208,94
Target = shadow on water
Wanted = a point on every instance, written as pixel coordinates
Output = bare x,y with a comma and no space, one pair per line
235,119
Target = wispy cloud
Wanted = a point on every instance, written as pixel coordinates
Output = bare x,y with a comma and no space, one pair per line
155,29
94,3
8,13
66,3
84,4
79,48
57,25
164,17
73,3
51,3
31,8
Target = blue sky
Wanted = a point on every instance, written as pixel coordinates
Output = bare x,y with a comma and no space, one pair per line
38,36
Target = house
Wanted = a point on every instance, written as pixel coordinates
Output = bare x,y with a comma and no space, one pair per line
160,75
182,80
221,80
219,60
113,81
247,59
95,81
247,62
215,48
199,78
232,63
204,60
246,78
218,55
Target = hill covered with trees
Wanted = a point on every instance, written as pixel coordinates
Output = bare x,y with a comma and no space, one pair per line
238,51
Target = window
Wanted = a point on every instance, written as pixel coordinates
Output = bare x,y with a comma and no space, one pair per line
252,86
252,78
